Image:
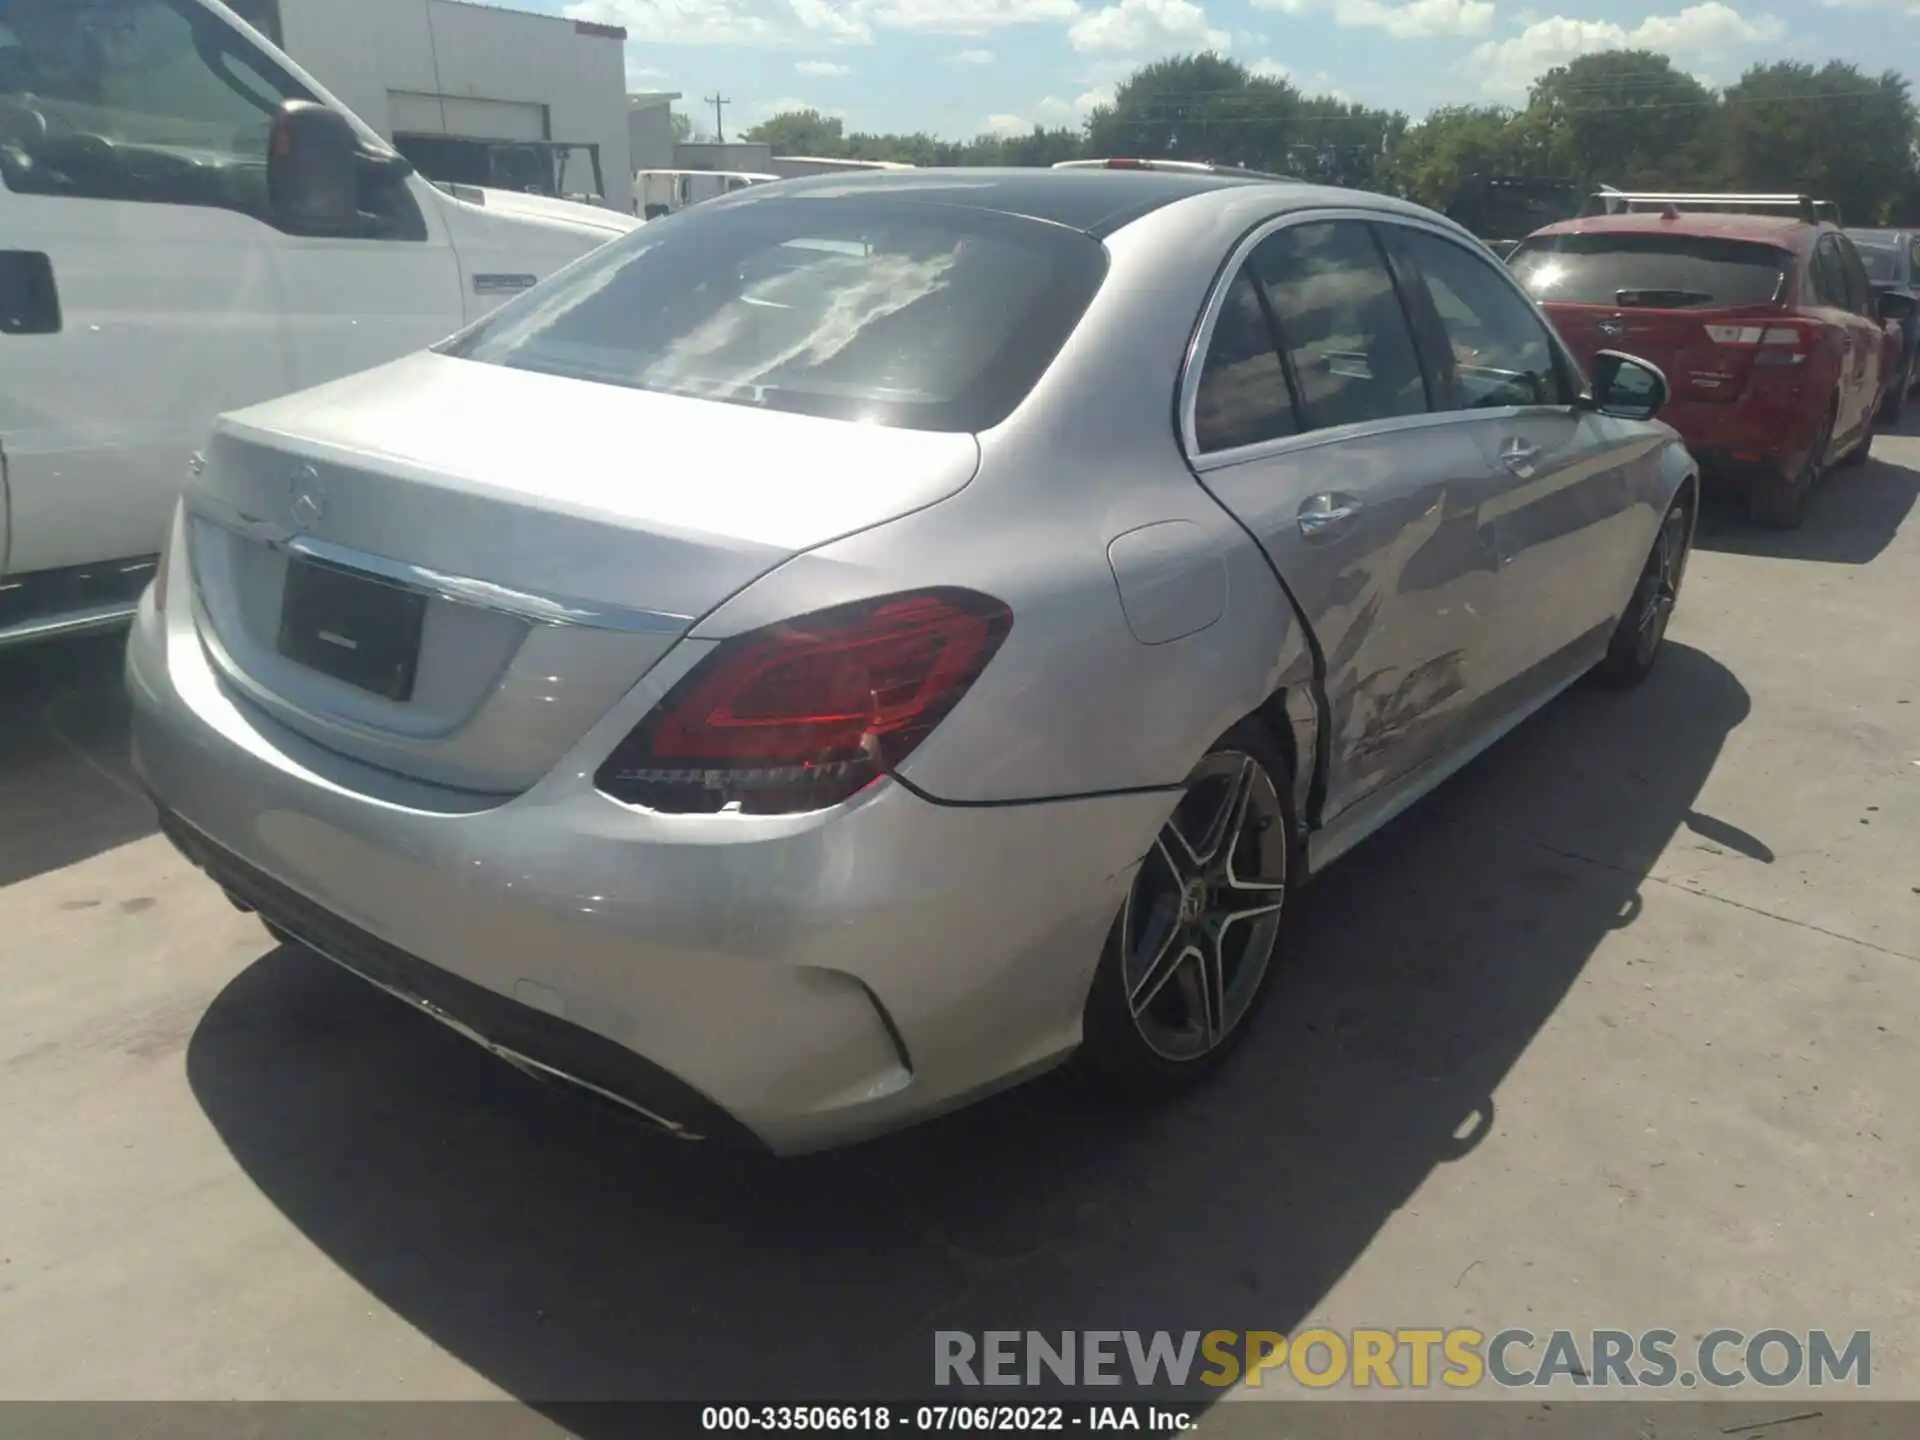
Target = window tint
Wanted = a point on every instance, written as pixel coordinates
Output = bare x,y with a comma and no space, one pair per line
1913,261
1881,257
1500,350
923,316
152,101
1859,291
1341,322
1668,272
1829,285
1243,397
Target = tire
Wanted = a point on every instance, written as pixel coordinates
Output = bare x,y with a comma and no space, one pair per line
1212,901
1642,630
1780,501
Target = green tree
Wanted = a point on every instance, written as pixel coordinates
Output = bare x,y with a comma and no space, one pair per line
1625,118
1434,158
801,132
1834,133
1209,108
682,125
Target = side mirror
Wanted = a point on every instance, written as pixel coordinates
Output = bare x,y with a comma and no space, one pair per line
313,170
1626,386
1892,305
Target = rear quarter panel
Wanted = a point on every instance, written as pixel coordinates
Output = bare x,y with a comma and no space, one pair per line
1075,702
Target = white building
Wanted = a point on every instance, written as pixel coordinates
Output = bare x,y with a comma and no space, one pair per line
472,93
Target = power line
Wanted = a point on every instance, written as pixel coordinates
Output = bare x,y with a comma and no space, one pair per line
718,102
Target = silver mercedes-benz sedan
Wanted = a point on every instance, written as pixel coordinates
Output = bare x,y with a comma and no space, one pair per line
855,644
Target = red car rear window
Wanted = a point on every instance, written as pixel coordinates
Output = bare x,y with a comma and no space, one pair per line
1668,272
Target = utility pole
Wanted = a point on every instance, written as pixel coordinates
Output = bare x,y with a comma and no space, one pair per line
718,102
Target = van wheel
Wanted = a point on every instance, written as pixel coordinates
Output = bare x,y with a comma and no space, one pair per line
1191,952
1778,500
1637,638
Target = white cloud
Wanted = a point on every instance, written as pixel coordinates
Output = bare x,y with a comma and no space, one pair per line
1270,69
842,20
825,68
970,17
974,57
1403,19
1008,125
1055,111
1144,27
1702,33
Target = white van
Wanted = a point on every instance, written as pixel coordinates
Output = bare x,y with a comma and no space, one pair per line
662,192
189,224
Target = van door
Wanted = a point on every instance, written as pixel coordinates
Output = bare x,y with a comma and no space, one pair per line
133,146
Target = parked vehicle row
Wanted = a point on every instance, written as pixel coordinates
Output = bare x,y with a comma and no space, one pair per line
1781,352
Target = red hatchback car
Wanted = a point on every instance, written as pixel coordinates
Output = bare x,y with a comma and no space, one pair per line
1765,326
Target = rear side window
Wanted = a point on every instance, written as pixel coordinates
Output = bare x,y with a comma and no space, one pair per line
1243,397
1341,322
1859,290
1829,283
888,311
1667,272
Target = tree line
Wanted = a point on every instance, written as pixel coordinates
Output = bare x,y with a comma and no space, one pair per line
1628,118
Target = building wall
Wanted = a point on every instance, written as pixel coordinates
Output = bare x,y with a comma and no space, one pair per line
650,135
365,51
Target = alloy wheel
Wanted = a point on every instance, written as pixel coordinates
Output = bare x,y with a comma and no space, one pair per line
1200,924
1660,584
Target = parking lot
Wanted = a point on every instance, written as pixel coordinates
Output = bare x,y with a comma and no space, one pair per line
1618,1029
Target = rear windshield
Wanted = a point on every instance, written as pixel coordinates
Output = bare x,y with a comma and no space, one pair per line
897,312
1881,259
1664,271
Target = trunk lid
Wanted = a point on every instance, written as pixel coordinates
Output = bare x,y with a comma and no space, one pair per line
452,570
1707,355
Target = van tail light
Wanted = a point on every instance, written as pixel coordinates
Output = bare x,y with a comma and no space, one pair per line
805,714
1774,344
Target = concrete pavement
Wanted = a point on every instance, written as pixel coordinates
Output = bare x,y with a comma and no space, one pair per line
1619,1029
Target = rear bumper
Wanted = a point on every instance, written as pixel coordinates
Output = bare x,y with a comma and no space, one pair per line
1753,435
789,982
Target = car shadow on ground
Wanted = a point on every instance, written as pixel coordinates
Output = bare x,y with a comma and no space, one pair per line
67,792
1850,519
566,1256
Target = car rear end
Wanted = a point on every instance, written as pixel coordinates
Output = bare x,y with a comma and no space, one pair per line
1710,301
446,674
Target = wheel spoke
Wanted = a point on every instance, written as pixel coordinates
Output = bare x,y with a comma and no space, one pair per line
1213,986
1224,831
1167,963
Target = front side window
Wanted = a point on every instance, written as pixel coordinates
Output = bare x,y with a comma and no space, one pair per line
1341,322
1500,349
1853,277
1242,397
1829,285
144,100
889,311
1881,258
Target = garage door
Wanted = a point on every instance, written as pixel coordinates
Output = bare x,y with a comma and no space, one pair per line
415,114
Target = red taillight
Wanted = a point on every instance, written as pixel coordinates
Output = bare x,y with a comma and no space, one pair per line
1780,343
804,714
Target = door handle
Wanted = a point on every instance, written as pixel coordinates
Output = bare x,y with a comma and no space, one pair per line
1325,515
1520,456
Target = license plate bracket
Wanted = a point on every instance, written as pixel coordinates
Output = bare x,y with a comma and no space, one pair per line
353,627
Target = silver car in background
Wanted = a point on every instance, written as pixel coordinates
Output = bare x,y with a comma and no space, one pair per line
858,643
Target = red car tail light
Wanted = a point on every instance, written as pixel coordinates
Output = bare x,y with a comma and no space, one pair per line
1785,343
805,714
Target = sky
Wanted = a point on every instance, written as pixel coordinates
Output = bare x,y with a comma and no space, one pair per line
958,68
